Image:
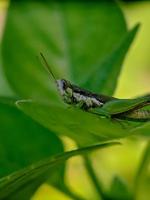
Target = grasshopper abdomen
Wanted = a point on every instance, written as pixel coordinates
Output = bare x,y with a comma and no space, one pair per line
137,116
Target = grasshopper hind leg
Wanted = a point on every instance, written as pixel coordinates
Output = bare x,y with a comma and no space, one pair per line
123,123
139,116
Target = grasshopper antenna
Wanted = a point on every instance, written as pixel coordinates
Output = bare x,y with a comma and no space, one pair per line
46,66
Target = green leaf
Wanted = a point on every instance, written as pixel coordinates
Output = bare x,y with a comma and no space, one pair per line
142,130
119,190
142,179
71,35
11,184
23,141
4,86
104,76
85,128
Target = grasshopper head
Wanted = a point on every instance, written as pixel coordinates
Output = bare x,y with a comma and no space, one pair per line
65,90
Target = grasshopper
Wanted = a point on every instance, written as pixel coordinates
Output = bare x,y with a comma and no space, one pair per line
99,104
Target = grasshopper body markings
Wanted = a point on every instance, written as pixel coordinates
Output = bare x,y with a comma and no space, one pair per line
101,104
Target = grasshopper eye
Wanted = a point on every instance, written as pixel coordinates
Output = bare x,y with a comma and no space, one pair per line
64,84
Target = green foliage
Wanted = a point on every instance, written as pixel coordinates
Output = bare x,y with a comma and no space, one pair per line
33,141
70,34
36,173
4,86
24,142
105,74
142,180
119,190
86,129
85,42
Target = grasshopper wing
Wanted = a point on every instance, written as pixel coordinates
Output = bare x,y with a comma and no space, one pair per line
119,106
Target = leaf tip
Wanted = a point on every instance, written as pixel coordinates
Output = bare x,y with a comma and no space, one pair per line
17,103
136,27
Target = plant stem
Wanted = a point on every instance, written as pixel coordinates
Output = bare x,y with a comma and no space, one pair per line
96,182
71,194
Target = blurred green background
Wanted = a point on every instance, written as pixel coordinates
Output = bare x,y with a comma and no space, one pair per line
134,81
